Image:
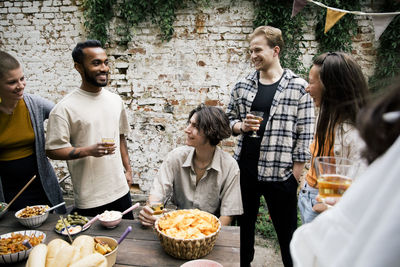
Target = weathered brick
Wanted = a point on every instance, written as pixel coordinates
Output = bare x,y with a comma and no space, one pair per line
14,10
30,10
160,82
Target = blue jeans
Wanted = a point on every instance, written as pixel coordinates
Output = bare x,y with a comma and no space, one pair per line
306,202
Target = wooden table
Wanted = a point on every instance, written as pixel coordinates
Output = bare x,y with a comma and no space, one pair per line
141,247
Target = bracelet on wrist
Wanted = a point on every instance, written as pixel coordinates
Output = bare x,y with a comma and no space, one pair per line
241,128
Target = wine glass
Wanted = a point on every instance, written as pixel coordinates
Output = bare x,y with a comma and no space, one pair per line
257,119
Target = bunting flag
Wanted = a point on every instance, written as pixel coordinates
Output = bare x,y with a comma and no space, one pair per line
298,5
380,24
332,16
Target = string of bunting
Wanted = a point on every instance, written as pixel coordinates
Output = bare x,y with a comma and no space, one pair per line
333,15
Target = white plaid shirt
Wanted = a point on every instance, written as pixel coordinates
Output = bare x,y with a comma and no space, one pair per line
290,127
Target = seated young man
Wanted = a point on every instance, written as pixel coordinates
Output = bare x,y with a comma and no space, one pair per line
200,175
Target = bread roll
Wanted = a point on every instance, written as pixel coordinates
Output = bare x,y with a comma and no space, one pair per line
53,248
63,257
37,257
93,260
85,245
76,256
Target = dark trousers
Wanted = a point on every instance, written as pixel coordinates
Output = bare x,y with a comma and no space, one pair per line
15,174
281,199
120,204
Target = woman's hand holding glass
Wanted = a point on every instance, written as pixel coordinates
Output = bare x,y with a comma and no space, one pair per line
334,176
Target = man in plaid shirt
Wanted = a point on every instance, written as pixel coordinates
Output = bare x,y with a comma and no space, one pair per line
271,164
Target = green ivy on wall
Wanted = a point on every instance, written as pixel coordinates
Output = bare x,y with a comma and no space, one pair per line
388,54
277,13
338,38
98,14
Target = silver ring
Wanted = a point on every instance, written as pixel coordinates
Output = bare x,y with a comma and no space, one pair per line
106,151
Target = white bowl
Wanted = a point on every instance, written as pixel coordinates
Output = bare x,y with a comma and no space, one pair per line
110,222
34,221
21,255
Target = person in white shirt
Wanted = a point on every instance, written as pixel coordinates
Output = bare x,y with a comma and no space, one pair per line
100,170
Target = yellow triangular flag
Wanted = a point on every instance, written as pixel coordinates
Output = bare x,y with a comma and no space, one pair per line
332,16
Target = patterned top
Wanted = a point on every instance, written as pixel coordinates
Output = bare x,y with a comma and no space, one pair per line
290,127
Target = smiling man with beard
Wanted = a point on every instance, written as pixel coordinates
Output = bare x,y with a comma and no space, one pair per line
100,170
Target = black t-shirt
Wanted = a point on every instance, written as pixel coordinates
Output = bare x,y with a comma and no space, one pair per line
262,102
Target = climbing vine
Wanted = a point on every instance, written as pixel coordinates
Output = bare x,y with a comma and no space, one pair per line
98,14
277,13
338,38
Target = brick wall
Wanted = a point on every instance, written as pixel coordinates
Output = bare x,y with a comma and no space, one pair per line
160,82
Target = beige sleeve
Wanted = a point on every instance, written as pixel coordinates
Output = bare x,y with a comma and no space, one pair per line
58,133
163,182
231,199
123,121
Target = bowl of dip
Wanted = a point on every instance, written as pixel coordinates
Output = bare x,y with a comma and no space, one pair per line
110,219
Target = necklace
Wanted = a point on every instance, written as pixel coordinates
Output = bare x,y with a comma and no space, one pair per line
201,169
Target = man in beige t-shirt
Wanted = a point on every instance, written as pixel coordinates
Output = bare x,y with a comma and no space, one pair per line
200,175
87,128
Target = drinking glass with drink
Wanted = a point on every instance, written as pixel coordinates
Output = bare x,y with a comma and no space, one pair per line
160,205
257,117
108,143
334,175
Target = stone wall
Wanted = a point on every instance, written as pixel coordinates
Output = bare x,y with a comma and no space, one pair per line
160,82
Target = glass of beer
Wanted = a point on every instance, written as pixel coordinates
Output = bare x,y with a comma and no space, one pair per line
108,140
258,115
334,175
157,205
160,205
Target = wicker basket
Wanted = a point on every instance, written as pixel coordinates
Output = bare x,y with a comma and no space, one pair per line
187,249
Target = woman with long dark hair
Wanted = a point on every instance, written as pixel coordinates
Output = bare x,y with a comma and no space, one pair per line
339,89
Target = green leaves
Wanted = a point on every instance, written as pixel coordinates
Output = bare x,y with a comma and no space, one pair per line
388,54
98,14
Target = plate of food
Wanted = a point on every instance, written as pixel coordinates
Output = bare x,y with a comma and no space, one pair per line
16,246
74,223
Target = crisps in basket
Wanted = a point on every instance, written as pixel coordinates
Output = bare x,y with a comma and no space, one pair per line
188,234
188,224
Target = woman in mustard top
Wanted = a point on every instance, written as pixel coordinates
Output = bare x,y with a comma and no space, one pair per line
339,89
22,152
